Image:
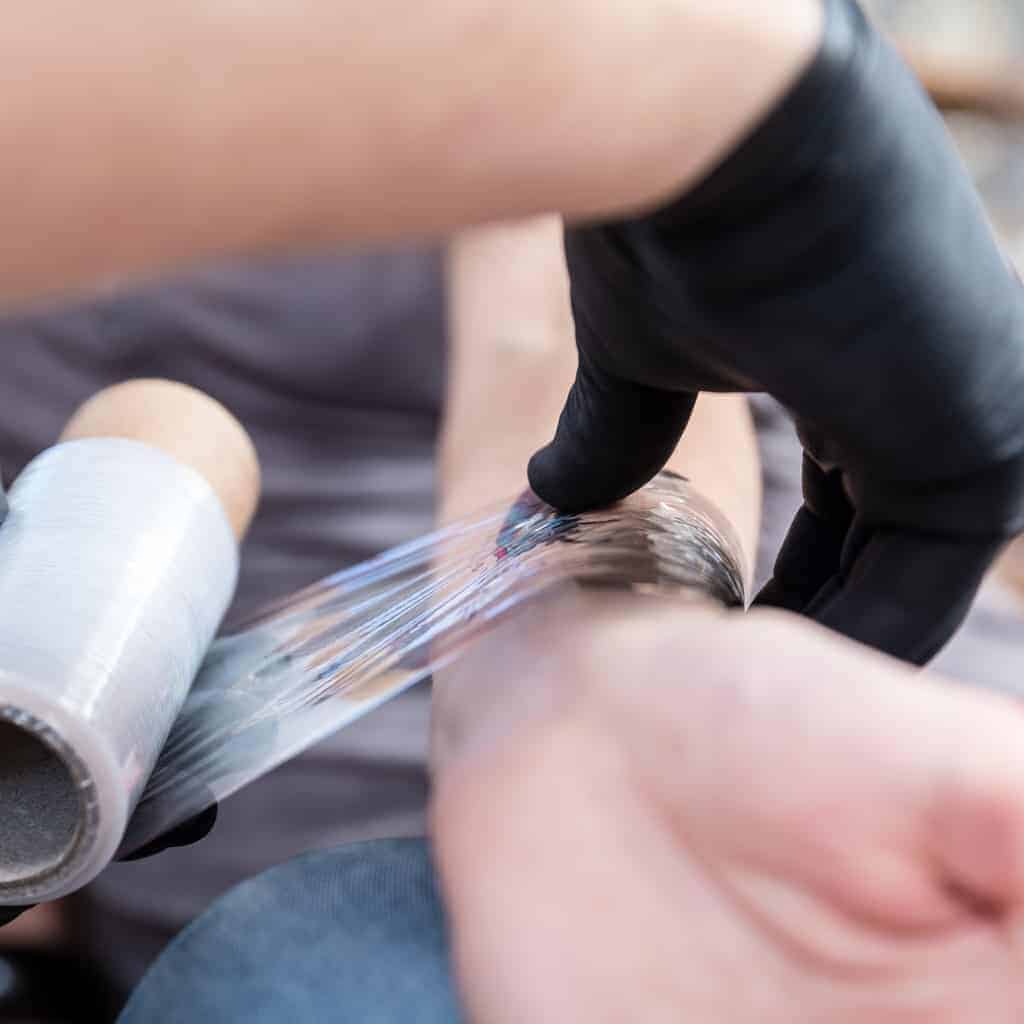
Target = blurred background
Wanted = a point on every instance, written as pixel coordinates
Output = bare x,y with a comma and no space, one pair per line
970,55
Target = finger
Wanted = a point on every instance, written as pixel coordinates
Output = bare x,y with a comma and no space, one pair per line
811,553
808,559
188,832
904,593
612,437
825,494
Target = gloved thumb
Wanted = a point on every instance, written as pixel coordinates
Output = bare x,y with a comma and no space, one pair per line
612,437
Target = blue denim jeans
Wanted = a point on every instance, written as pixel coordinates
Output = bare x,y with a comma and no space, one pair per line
351,934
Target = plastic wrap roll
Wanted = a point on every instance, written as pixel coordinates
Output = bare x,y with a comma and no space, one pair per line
117,563
324,657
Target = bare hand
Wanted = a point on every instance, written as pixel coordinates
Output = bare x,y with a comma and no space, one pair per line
740,820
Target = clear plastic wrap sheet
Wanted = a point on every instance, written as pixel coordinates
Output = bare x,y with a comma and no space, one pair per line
314,662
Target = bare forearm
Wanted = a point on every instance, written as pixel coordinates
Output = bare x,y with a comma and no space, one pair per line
138,136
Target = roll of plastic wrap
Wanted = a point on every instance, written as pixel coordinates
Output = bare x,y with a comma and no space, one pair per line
117,564
118,559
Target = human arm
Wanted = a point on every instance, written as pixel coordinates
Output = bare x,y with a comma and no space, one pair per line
140,136
734,818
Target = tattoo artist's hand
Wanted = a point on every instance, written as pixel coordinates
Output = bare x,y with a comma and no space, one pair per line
839,259
185,834
741,819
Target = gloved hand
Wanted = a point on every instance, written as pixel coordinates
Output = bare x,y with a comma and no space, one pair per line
840,260
185,834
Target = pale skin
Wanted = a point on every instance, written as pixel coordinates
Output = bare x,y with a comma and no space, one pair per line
140,136
661,812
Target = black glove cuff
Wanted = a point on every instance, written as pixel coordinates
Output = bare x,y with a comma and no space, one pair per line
793,136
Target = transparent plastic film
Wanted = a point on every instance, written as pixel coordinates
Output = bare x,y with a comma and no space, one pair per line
314,662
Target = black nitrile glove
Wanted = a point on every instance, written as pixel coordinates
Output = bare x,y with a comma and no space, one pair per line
840,260
199,826
185,834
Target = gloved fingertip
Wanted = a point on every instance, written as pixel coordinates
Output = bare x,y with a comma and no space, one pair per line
576,479
613,436
566,482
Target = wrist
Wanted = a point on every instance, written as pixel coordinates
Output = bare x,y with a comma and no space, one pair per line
560,660
514,681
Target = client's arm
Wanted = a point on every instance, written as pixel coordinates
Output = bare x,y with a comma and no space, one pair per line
734,818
